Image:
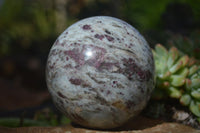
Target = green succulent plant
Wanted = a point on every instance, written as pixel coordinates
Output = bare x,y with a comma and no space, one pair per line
178,76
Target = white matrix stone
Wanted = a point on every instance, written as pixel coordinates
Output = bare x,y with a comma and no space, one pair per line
100,72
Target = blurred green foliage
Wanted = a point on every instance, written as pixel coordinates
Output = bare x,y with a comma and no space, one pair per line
24,23
31,24
189,45
147,14
44,117
144,14
15,122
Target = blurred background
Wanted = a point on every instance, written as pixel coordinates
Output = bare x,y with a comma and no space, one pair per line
28,29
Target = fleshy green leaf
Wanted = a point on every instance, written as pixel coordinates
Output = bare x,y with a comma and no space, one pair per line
180,63
172,57
183,72
160,56
196,94
185,99
193,69
188,83
177,80
195,83
174,92
165,75
194,108
161,51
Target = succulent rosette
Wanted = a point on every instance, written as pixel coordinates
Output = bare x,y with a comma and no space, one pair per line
177,76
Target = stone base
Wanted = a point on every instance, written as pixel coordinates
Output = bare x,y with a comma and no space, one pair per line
138,125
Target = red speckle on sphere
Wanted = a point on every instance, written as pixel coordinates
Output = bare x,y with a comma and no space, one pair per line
86,27
99,36
109,38
75,81
61,95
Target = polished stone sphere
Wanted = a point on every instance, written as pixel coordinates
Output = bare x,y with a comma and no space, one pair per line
100,72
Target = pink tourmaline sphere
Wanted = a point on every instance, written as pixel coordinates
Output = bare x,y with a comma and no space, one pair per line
100,72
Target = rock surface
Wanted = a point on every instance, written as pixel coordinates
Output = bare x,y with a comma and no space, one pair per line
161,128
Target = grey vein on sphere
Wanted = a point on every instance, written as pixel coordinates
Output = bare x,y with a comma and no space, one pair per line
100,72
